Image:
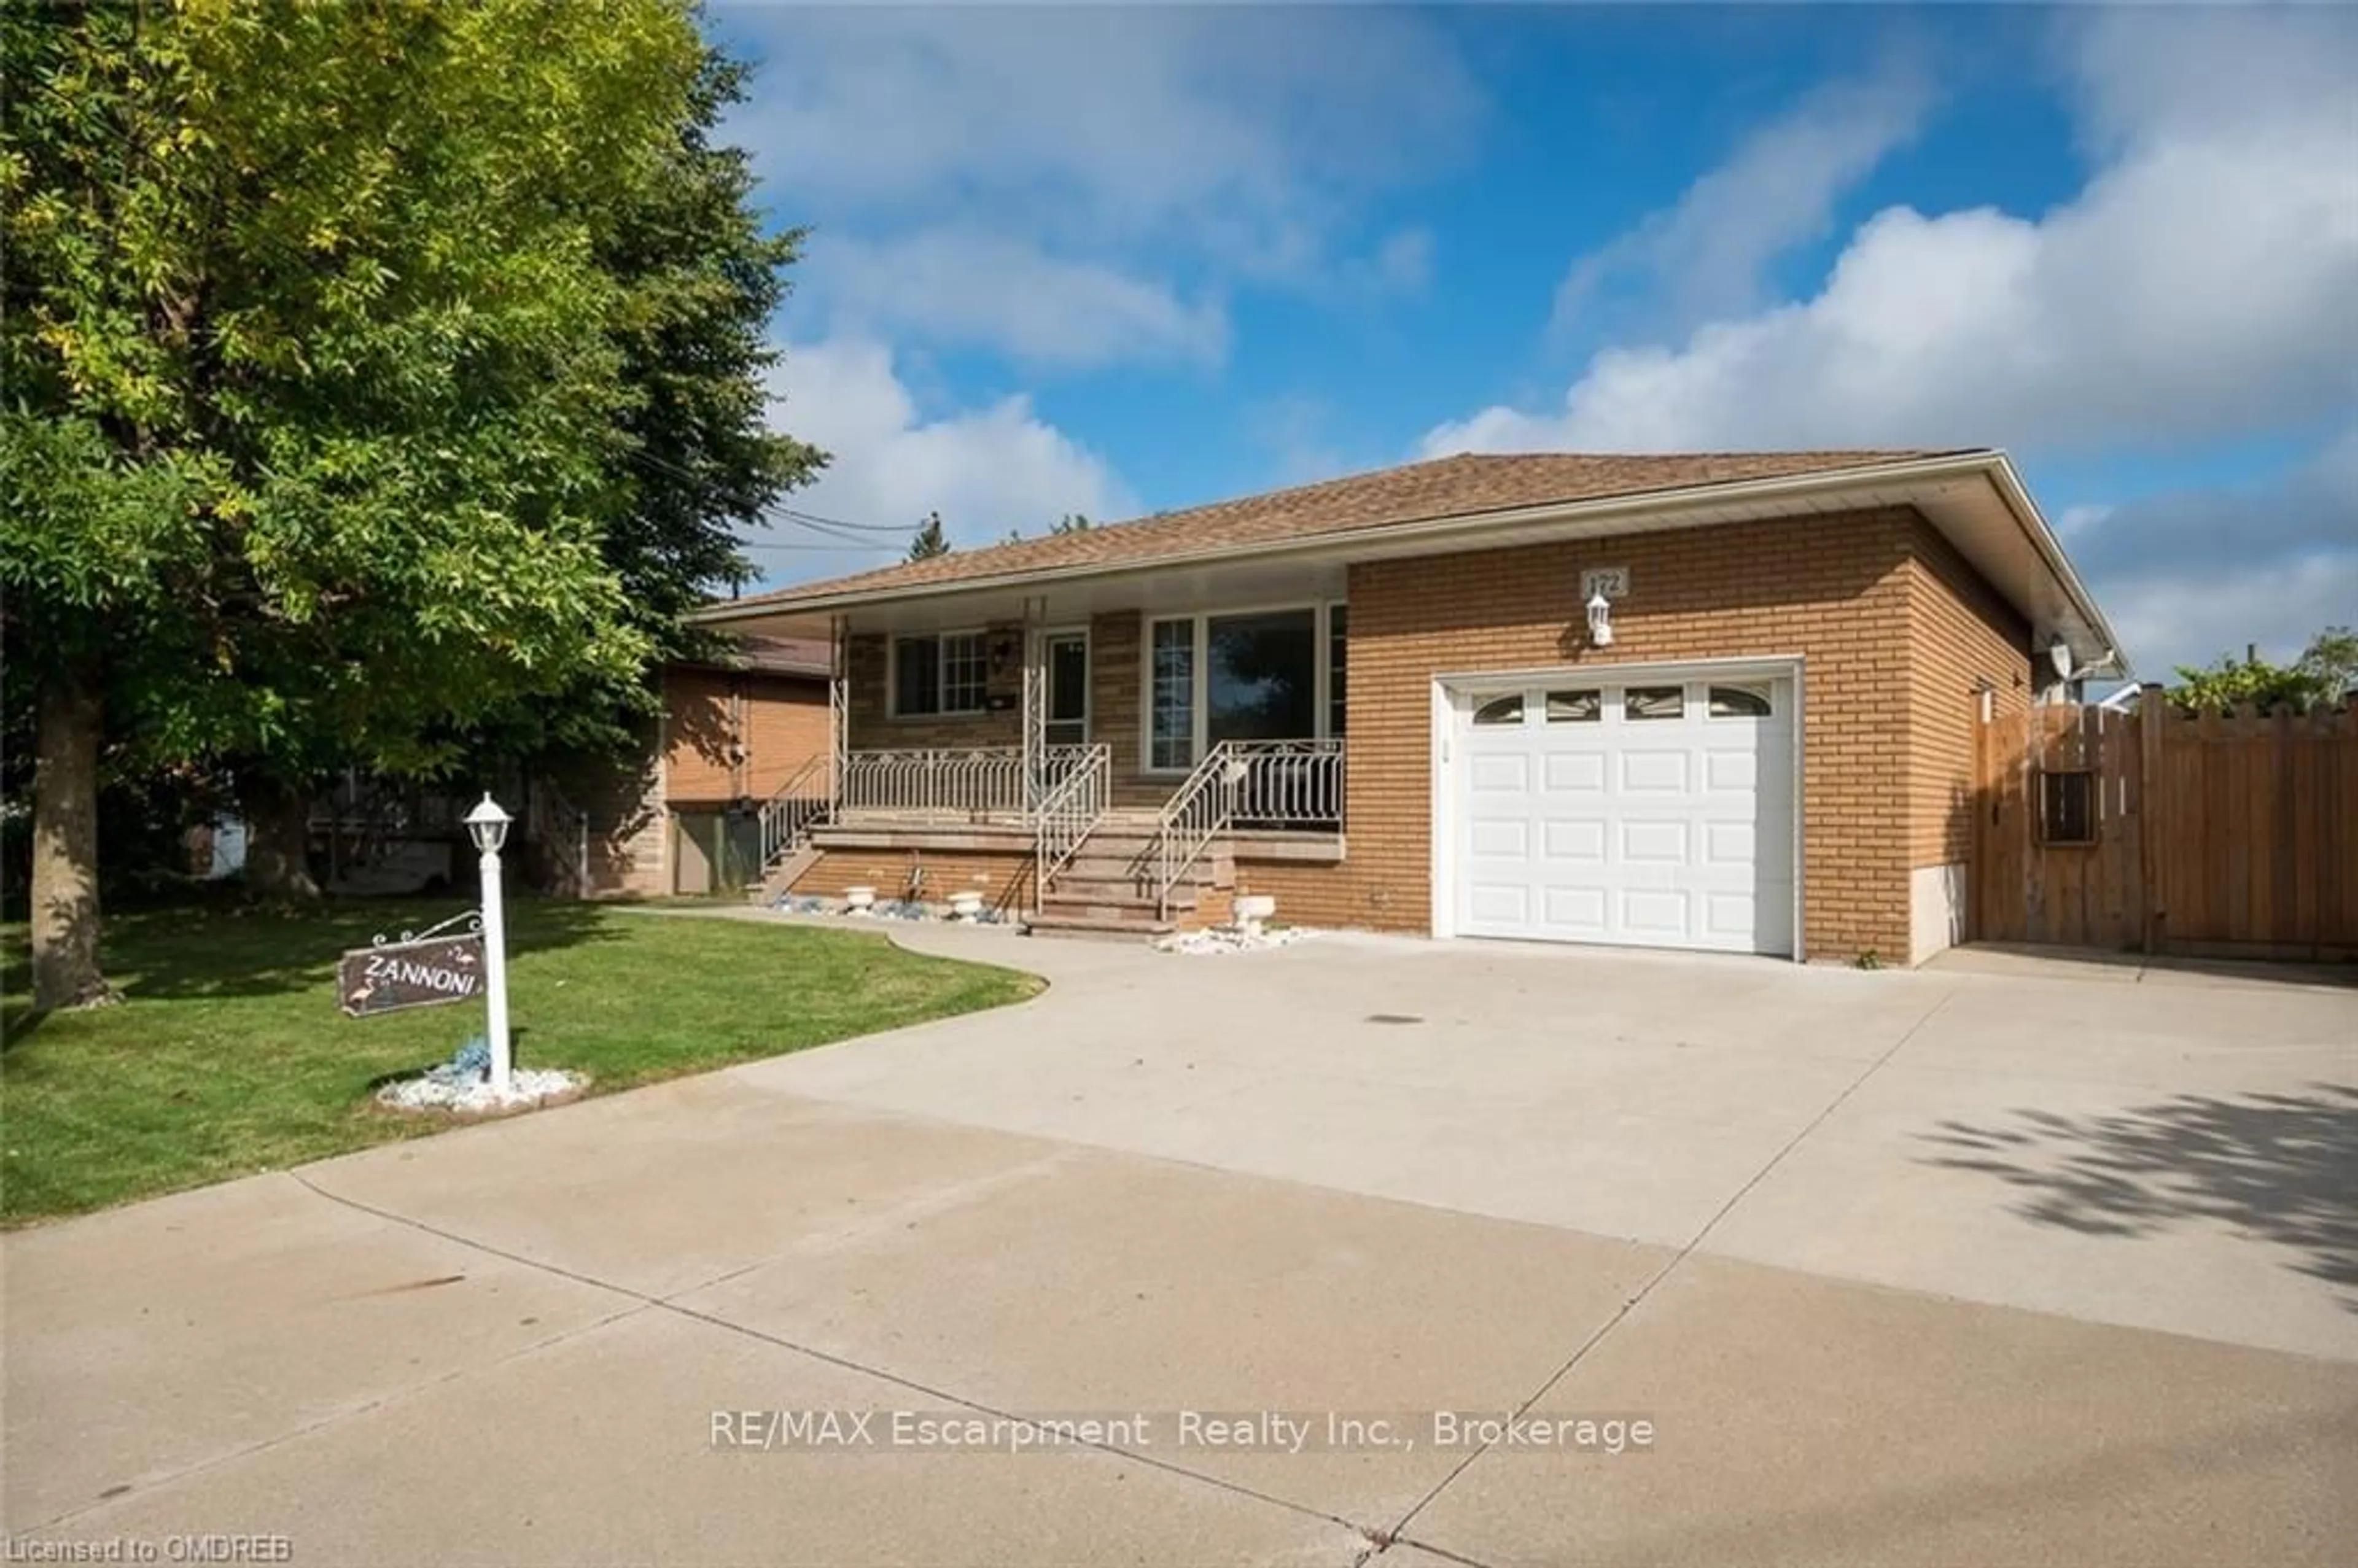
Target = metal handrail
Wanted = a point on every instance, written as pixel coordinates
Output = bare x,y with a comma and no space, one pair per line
1192,818
1263,784
794,809
1070,812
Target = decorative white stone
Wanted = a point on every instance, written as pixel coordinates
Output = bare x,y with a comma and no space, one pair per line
966,905
477,1096
1223,939
858,901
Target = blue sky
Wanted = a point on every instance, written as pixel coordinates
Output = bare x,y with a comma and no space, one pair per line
1120,258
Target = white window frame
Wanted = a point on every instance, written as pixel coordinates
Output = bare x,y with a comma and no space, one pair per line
941,673
1457,693
1322,643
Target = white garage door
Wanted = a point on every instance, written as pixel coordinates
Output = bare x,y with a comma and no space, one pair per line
1655,814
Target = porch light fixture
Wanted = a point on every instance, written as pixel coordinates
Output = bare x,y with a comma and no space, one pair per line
487,825
1600,619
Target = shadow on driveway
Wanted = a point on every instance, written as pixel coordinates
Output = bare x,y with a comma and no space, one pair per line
2279,1167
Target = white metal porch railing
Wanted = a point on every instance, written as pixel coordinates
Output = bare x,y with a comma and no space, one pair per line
969,781
1252,783
930,784
1070,811
804,802
935,782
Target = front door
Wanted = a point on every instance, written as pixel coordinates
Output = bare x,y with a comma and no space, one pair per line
1068,688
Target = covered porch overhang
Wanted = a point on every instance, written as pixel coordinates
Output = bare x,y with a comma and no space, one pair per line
971,710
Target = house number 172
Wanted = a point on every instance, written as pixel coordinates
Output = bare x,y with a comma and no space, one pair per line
1611,581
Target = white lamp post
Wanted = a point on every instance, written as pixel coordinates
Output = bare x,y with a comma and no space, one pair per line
487,825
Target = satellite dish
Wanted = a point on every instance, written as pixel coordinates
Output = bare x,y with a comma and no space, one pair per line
2059,653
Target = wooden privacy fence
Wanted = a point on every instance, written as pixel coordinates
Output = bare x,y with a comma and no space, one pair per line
2225,835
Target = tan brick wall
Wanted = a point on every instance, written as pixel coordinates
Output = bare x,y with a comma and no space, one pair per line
1003,880
699,729
868,698
629,830
1116,685
1835,591
1307,894
786,725
733,735
1962,635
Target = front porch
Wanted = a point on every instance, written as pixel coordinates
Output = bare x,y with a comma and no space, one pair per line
1125,758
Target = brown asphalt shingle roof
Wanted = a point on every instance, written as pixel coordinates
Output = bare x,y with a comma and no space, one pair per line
1464,484
754,654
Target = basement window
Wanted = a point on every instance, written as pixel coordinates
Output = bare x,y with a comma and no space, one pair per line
2067,806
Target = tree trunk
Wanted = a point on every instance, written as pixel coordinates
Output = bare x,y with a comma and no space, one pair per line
65,845
277,838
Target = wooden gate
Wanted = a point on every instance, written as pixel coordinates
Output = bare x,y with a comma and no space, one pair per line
2229,835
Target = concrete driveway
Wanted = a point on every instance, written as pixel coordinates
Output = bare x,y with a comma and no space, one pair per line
2002,1261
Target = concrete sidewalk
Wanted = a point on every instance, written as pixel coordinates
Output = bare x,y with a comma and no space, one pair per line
508,1344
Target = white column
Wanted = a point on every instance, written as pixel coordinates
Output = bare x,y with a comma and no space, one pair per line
838,705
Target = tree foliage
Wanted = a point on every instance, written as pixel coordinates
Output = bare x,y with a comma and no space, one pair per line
931,540
331,330
702,282
2326,672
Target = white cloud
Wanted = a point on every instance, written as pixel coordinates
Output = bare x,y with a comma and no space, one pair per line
2166,622
1131,166
1703,256
964,285
986,469
2187,576
2201,285
1133,122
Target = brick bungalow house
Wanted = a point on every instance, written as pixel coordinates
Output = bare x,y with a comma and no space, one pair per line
1723,701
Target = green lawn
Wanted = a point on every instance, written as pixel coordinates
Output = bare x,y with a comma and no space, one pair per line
229,1056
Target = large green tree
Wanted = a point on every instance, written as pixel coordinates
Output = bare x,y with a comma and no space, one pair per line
697,458
694,459
317,382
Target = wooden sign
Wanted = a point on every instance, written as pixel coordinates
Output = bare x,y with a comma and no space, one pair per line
370,981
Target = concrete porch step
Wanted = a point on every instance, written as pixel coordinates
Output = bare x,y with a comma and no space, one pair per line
1101,842
1122,904
1067,888
1050,921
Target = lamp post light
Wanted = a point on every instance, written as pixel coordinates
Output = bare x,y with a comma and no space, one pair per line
487,825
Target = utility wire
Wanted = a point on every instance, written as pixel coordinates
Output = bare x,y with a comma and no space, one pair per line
814,521
801,516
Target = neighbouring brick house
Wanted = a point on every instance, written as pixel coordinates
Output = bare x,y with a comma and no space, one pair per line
1721,701
682,815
